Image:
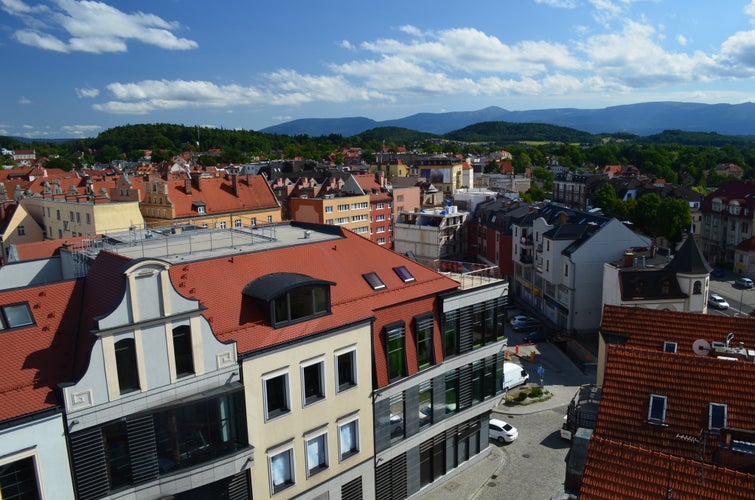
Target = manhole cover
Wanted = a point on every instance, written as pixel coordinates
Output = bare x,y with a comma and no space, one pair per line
526,455
491,484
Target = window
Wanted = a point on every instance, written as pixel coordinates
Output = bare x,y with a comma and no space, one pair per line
717,414
276,395
57,213
425,403
21,231
394,340
404,274
78,217
19,479
317,454
182,351
669,346
270,219
71,216
301,303
697,288
329,209
200,209
15,316
374,280
125,361
566,270
450,333
381,205
89,218
281,471
346,363
381,241
452,391
380,218
657,409
348,439
423,331
237,223
222,224
313,381
396,418
253,221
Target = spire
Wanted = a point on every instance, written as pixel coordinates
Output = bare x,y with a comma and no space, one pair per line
689,259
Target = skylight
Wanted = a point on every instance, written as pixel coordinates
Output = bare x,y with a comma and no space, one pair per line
374,280
14,316
404,274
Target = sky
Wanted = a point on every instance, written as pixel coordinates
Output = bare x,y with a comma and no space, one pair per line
76,68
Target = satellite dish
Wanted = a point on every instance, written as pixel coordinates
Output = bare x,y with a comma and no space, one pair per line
701,347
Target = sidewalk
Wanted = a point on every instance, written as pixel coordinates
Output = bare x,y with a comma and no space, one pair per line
467,483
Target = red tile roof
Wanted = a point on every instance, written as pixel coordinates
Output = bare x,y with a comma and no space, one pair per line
650,328
35,359
218,283
47,248
218,195
620,471
689,382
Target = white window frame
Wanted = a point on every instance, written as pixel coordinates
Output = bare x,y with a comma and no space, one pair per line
291,468
321,361
669,346
17,457
710,416
342,423
311,471
269,376
354,371
657,399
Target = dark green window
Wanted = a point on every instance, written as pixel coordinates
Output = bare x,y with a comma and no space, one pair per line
300,304
423,326
450,334
396,350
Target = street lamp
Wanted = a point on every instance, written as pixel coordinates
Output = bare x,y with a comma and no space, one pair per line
741,296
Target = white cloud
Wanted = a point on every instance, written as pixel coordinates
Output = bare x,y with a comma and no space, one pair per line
81,130
750,9
87,93
737,54
92,26
24,100
347,45
682,40
562,4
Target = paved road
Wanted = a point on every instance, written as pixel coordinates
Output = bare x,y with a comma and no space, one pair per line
532,467
741,300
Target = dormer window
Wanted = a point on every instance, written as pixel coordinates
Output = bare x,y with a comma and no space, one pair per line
657,409
717,205
290,297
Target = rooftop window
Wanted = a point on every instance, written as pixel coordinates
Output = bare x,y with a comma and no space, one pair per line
404,274
374,280
15,316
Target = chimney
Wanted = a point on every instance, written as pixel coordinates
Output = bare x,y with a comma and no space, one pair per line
187,185
196,180
235,184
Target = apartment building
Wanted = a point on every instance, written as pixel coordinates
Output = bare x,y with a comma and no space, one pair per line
728,217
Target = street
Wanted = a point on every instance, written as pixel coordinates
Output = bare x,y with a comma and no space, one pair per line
741,300
532,467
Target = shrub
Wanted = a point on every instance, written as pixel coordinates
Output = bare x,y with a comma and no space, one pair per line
521,396
536,392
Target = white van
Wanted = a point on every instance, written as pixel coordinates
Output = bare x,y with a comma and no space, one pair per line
513,375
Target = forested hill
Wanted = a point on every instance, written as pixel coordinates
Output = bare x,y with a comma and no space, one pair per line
506,132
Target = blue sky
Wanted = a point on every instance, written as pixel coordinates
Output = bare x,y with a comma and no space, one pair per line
76,68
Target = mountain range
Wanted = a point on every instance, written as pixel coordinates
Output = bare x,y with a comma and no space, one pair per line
641,119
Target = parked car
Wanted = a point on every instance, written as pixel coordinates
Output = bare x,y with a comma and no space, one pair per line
527,325
519,317
717,301
501,431
539,335
565,431
744,282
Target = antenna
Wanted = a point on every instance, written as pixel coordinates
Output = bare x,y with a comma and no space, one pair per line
729,338
701,347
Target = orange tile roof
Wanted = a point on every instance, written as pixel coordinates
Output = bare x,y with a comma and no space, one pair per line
218,283
45,249
218,196
620,471
689,382
35,359
649,328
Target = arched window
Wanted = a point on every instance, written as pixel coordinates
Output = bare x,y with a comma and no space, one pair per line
125,361
697,288
182,351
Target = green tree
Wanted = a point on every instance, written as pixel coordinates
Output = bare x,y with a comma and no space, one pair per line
674,217
645,214
60,163
605,198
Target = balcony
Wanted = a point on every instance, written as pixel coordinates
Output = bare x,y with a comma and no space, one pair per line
468,274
